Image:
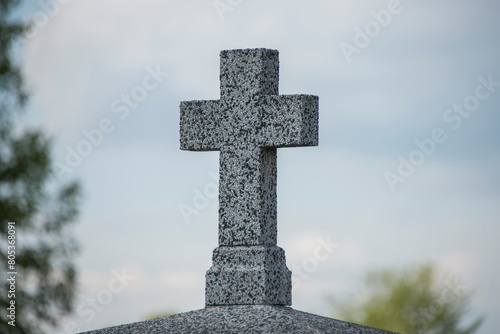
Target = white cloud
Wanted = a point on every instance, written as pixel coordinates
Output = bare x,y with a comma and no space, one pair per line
459,262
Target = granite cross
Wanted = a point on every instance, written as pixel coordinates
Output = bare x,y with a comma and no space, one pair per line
246,125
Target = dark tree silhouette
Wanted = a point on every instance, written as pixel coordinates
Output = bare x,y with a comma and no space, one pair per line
41,206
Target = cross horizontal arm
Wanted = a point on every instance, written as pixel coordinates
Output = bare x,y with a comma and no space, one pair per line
289,120
199,128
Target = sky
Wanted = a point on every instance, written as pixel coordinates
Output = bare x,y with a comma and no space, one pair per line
406,171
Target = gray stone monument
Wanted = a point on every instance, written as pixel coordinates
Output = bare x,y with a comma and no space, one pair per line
247,124
248,287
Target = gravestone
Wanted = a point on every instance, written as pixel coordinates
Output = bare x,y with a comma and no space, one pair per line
248,288
246,125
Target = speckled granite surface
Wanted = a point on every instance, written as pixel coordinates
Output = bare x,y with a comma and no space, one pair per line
242,319
248,275
246,125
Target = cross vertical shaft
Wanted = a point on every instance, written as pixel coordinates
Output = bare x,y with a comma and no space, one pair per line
247,124
247,197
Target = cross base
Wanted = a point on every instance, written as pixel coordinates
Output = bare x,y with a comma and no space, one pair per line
248,275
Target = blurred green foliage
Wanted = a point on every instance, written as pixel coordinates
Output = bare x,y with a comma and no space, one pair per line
156,315
41,206
409,301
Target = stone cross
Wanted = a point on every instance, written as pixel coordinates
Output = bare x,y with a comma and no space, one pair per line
246,125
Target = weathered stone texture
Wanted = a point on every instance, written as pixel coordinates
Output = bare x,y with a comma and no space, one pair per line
246,125
242,319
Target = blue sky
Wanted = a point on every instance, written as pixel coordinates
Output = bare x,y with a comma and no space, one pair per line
388,74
